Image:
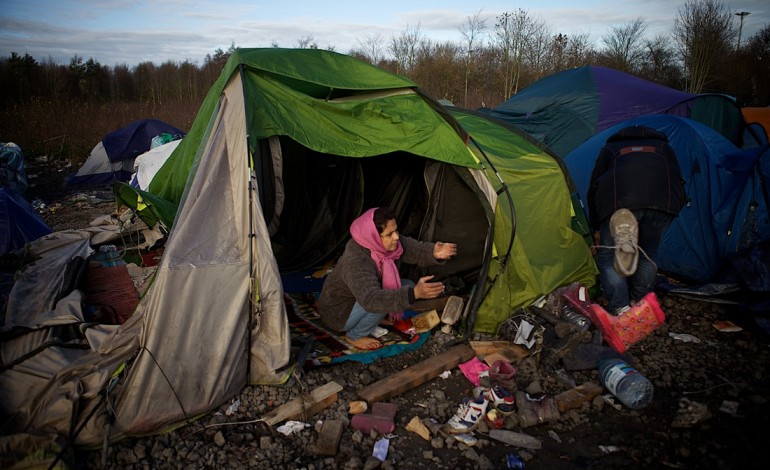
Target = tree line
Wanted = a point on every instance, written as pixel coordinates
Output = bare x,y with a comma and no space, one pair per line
486,66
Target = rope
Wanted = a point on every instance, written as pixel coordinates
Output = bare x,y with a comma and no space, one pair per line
637,247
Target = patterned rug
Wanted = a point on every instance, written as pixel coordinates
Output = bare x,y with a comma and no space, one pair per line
330,348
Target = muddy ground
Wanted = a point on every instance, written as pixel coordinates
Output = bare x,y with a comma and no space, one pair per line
724,373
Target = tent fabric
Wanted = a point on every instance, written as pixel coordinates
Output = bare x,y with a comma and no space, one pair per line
566,108
112,158
12,172
546,250
19,222
288,147
760,117
727,208
147,164
317,118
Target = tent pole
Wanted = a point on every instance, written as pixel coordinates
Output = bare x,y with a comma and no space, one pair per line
480,294
252,285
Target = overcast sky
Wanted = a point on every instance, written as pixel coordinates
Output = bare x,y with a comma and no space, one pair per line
134,31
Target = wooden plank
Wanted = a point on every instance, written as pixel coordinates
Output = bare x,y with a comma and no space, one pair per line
574,398
512,352
482,348
305,406
416,374
329,437
509,355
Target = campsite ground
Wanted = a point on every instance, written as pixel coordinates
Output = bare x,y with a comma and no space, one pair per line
717,371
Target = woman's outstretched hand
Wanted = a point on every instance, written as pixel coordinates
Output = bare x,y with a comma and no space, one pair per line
428,290
443,250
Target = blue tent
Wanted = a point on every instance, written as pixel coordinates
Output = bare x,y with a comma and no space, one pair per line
112,159
727,209
566,108
19,223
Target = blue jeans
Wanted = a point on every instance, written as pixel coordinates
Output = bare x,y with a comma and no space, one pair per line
622,291
362,322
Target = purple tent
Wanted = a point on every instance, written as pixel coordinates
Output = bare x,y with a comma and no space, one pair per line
565,109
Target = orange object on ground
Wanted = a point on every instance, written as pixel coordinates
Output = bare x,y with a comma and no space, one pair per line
627,329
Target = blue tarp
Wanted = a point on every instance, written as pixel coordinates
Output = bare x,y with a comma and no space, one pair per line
19,223
727,209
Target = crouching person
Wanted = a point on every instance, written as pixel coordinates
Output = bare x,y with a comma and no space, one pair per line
365,286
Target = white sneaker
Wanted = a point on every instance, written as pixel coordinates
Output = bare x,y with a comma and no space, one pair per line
625,230
468,416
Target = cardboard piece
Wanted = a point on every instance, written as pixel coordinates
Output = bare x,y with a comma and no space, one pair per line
425,321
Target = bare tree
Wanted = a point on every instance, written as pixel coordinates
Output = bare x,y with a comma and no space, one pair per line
624,45
703,34
471,31
536,54
513,33
404,47
752,69
659,62
372,47
580,51
307,42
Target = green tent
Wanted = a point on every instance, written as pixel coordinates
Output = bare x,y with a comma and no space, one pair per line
328,136
287,149
307,110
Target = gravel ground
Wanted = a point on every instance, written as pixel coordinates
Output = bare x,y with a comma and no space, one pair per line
717,371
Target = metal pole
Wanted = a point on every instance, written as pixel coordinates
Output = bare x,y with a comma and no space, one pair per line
740,28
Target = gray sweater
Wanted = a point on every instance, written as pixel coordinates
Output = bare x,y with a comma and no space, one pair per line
356,278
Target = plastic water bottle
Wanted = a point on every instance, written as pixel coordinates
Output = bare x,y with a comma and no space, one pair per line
632,388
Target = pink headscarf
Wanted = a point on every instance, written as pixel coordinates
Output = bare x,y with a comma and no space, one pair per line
366,234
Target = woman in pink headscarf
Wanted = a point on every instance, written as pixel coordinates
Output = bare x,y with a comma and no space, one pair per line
365,286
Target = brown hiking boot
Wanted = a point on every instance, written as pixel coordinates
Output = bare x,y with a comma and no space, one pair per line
625,231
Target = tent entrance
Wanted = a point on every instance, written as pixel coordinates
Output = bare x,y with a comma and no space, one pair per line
310,198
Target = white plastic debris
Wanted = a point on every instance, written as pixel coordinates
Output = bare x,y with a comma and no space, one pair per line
290,427
379,332
729,407
609,449
233,407
446,374
524,332
381,449
610,400
685,337
554,436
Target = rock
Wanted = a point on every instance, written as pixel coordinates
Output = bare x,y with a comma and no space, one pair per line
471,455
370,464
534,388
219,439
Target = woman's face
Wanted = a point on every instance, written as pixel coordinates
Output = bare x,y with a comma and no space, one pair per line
389,235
